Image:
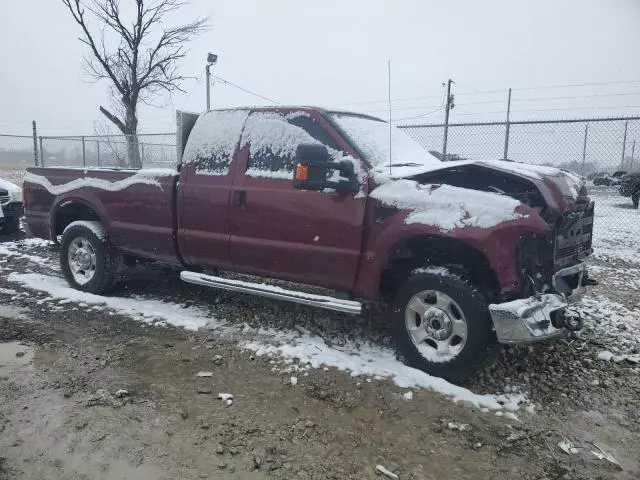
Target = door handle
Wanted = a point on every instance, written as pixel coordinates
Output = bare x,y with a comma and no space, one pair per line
240,199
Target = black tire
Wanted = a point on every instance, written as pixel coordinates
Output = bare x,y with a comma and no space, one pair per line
106,258
635,197
480,341
11,225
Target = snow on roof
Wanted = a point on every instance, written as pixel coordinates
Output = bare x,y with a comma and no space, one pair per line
447,207
146,176
215,136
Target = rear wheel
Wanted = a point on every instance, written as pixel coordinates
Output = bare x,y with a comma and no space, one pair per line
88,260
441,324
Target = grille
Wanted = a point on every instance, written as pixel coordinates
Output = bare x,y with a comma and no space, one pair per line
4,197
573,237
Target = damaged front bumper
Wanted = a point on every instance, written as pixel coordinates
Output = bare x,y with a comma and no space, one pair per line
542,316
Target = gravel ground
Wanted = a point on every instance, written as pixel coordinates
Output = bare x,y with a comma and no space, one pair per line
62,364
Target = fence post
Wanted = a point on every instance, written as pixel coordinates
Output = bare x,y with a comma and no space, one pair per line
584,148
142,154
41,152
35,143
84,157
506,133
98,151
624,144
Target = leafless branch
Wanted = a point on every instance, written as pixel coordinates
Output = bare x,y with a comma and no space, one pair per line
144,61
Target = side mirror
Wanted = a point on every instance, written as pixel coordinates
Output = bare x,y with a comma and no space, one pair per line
313,170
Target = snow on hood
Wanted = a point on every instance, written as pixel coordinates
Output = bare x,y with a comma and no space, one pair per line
447,207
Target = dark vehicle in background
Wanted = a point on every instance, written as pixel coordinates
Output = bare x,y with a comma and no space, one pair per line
10,207
630,187
464,254
604,179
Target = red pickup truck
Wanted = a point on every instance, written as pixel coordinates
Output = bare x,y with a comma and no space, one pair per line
464,254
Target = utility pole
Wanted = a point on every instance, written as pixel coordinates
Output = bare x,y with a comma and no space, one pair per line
35,143
450,105
506,133
211,60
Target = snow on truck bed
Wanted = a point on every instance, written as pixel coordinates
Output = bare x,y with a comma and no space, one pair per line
145,176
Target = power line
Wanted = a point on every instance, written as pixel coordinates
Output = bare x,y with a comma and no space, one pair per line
418,116
246,90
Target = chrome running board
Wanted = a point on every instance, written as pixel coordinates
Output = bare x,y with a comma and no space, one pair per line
270,291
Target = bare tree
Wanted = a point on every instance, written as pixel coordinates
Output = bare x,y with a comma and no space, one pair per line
139,60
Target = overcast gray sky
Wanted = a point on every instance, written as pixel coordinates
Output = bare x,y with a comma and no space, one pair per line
334,53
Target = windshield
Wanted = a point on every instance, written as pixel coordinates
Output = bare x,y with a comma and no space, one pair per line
371,137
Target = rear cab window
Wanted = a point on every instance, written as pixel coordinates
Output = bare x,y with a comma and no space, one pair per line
213,141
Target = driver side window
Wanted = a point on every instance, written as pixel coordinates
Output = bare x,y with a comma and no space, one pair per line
273,139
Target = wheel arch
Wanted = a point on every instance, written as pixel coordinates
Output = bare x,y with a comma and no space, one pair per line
416,251
70,210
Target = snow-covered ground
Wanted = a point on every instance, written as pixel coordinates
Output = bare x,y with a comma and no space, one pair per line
616,226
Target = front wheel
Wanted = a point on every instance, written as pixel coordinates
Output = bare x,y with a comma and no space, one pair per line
88,260
635,198
441,324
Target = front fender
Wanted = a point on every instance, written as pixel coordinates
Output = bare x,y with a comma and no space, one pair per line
498,245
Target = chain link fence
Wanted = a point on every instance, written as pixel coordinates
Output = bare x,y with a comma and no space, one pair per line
589,146
151,150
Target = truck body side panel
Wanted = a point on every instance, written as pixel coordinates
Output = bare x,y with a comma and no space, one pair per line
136,208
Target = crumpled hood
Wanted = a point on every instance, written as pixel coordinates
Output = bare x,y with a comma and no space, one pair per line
559,188
567,182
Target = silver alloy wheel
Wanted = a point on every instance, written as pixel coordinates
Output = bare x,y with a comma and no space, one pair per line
81,258
436,325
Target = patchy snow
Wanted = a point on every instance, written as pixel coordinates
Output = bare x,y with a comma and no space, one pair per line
213,141
7,249
613,325
145,176
616,227
447,207
370,360
270,174
95,227
605,355
141,309
408,396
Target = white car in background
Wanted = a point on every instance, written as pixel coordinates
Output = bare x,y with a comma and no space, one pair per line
11,208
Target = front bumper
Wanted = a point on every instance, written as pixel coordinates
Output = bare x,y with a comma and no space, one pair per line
540,317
